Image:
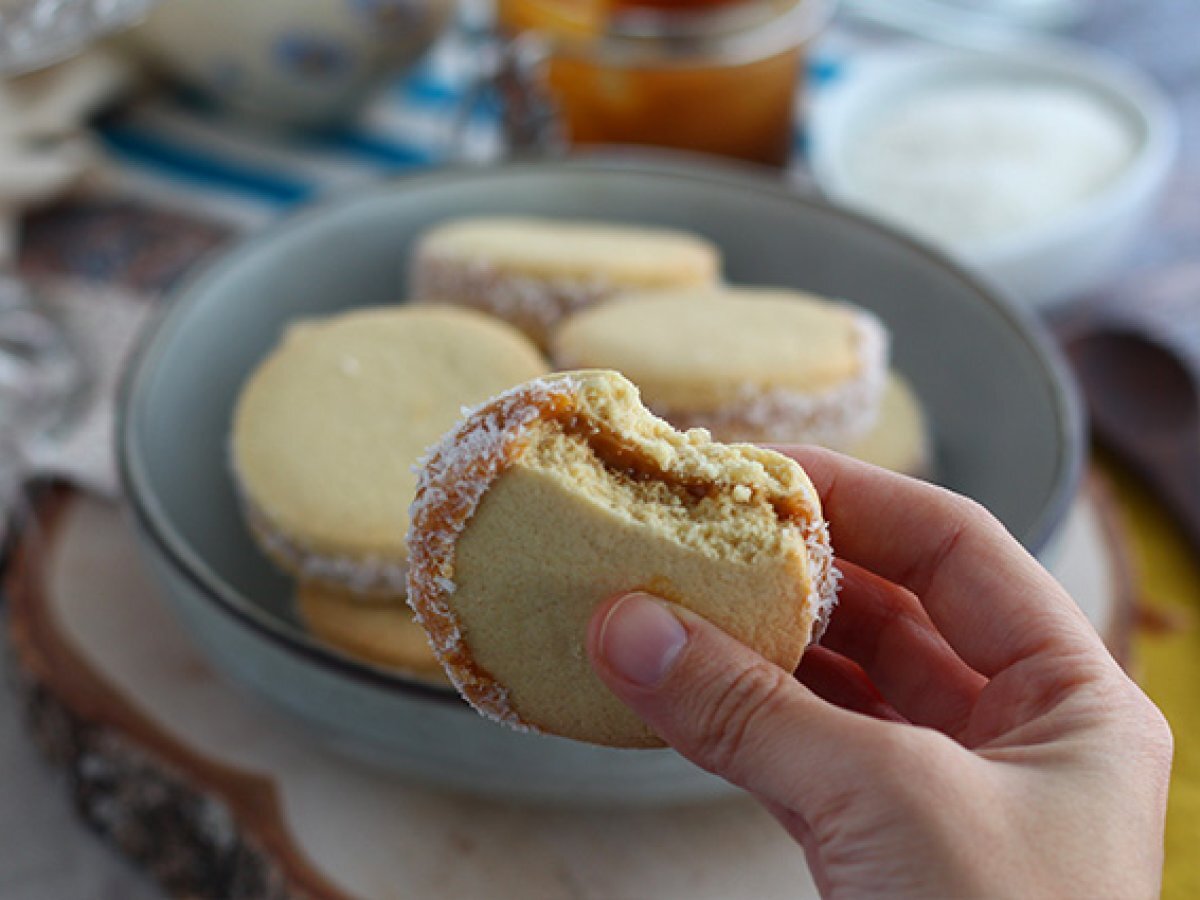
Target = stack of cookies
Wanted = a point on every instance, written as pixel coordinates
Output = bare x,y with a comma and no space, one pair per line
326,434
535,273
330,426
748,364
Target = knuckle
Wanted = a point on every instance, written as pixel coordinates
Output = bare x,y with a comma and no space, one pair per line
1139,727
1157,740
973,515
962,520
732,714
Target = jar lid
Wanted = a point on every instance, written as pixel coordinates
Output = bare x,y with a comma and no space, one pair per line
649,32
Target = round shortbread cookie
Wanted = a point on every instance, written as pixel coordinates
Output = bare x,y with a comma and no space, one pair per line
566,491
748,364
329,425
899,440
533,272
382,634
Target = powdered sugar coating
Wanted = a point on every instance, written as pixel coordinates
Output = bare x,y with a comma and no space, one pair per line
826,577
453,477
533,304
371,576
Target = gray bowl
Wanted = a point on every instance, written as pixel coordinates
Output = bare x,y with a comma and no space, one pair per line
1006,425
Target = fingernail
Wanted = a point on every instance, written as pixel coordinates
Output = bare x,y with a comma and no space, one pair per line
640,638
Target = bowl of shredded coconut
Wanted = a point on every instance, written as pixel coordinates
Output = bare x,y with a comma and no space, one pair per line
1037,166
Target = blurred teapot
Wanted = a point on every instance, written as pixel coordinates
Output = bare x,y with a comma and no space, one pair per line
288,62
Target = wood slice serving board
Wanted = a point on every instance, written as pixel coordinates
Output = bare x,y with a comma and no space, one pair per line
219,796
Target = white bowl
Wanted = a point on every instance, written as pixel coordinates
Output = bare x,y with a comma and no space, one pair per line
1064,256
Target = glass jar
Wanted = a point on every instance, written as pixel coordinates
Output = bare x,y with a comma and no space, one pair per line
711,77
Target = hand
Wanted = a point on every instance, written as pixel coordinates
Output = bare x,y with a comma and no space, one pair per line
960,731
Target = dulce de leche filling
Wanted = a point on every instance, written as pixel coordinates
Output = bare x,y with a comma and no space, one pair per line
621,458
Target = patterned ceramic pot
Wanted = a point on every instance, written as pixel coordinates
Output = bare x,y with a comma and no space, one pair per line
292,62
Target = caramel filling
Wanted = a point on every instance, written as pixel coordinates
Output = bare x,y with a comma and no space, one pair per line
616,455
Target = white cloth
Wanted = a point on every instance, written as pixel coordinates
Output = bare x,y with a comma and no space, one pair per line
103,324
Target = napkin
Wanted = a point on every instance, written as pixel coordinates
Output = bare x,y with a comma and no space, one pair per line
103,325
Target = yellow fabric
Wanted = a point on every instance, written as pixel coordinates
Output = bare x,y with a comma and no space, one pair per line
1167,665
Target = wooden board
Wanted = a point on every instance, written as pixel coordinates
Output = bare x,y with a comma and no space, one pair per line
220,796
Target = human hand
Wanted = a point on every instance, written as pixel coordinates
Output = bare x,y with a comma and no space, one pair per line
960,731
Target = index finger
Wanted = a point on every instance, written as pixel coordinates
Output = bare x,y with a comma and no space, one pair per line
993,602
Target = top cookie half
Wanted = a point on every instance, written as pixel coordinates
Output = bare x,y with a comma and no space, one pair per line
328,427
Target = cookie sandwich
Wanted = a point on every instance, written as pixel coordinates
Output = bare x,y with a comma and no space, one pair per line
328,427
748,364
564,491
534,272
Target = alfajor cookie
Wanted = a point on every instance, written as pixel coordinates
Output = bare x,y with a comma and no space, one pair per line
381,633
565,491
748,364
899,440
533,272
329,425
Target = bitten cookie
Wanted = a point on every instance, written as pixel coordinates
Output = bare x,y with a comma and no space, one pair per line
381,633
329,425
533,272
748,364
899,439
565,491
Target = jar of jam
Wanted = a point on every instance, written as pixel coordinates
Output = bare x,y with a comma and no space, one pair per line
710,76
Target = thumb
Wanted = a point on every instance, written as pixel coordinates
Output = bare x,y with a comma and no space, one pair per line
729,710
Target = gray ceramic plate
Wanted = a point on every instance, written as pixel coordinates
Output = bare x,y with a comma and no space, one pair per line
1006,426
